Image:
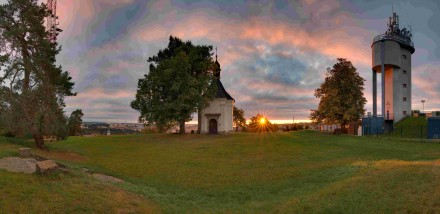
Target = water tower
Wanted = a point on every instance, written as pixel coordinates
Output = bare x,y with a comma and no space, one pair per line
392,60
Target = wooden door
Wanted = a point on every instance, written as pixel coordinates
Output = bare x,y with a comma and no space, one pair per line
213,126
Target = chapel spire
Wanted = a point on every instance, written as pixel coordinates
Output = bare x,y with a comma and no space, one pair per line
217,68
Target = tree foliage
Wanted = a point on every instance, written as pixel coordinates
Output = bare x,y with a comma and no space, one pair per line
75,121
177,85
239,119
341,95
260,123
33,86
416,111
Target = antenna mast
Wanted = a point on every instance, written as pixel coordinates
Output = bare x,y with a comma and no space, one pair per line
52,20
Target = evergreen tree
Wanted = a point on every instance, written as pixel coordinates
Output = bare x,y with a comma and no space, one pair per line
34,85
75,121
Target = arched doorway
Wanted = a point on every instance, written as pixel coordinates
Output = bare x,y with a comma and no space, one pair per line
213,126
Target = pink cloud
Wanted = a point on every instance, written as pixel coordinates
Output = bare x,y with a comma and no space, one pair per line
95,93
331,42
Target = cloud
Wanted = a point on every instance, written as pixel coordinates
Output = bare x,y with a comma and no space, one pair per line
273,56
424,87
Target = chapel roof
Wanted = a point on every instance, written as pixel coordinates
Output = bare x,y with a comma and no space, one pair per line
221,91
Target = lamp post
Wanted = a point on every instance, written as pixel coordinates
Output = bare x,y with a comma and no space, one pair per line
423,103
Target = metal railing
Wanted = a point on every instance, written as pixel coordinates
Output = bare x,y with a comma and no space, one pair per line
397,38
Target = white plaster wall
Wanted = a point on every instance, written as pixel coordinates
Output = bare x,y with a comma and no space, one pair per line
220,106
229,115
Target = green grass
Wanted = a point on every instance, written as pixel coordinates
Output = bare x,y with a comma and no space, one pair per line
306,172
411,128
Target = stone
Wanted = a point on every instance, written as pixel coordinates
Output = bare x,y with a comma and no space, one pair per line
25,152
16,164
106,178
47,166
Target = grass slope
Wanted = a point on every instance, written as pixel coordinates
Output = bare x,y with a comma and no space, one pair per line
283,172
411,128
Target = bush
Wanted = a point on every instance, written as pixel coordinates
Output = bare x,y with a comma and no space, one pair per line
255,124
294,127
7,134
149,130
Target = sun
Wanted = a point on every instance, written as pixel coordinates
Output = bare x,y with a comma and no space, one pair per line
262,121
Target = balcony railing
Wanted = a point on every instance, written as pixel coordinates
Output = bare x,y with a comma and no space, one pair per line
401,39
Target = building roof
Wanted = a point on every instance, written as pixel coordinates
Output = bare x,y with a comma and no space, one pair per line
221,91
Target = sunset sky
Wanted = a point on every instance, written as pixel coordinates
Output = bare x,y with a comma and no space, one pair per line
273,54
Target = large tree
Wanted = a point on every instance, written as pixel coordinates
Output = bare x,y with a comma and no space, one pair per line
179,82
34,86
239,119
341,95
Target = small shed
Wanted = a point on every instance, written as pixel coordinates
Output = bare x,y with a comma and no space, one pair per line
434,128
372,125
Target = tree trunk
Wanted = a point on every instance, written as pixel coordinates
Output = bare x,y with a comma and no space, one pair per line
182,127
236,128
199,121
38,138
29,106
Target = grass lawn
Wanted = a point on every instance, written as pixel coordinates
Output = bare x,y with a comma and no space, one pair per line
306,172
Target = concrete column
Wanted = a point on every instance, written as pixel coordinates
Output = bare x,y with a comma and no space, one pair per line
374,93
382,55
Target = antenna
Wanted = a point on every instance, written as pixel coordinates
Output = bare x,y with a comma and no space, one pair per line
52,20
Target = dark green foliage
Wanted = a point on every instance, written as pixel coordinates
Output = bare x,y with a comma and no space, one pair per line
416,111
256,125
177,85
75,121
34,87
297,127
239,119
341,94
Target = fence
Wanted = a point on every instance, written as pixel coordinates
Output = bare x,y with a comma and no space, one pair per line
407,132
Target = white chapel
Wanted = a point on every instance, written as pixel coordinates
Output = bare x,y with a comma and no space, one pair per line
217,117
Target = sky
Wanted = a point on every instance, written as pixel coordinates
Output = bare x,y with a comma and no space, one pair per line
273,54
